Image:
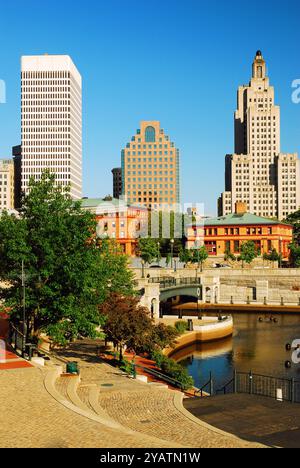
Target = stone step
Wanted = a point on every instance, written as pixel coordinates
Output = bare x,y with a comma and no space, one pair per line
67,391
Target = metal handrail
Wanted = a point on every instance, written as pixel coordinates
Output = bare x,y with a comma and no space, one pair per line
260,384
209,383
223,389
164,377
16,330
175,281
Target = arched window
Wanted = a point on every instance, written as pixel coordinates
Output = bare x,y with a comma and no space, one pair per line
259,72
150,134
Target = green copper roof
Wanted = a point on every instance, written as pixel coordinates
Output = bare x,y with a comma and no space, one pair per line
94,202
239,219
116,202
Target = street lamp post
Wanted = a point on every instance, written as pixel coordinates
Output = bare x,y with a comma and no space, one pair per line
143,269
158,252
172,250
280,251
198,253
23,278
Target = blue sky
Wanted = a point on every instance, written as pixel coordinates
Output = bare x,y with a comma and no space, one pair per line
177,61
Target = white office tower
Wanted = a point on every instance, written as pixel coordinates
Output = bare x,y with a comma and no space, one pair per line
52,120
258,173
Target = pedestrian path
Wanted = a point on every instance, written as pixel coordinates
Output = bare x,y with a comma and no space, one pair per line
148,410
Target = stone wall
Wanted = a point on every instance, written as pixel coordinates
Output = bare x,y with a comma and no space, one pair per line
223,285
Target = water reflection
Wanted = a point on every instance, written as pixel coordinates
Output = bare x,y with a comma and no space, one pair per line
256,346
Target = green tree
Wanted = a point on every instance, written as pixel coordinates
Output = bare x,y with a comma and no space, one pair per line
294,220
229,256
294,255
67,274
172,222
147,249
273,256
185,255
161,336
199,256
248,252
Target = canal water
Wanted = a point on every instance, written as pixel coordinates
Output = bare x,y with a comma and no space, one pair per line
256,346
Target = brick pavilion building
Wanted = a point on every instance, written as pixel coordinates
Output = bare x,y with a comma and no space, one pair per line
229,232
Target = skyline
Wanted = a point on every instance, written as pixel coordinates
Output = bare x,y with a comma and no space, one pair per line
191,105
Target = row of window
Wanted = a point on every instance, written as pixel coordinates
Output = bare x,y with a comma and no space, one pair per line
45,74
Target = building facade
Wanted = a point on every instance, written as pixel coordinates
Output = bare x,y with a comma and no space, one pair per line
258,173
51,120
7,184
119,221
227,234
17,160
117,182
150,168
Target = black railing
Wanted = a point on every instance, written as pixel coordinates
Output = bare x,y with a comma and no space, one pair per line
16,339
263,385
170,282
160,376
209,385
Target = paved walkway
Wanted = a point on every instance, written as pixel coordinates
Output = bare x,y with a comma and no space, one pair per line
32,418
149,414
253,418
147,409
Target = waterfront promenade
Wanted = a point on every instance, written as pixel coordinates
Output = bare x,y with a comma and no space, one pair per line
251,417
43,411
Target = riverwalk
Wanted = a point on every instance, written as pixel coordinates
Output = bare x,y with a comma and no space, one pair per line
104,408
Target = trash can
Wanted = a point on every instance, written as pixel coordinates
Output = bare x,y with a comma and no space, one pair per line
72,368
190,325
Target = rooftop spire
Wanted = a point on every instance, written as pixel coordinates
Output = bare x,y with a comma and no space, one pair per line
259,66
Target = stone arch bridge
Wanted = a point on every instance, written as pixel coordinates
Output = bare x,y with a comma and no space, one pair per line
155,290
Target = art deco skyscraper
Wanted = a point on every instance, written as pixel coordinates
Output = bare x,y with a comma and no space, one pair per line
52,120
150,168
258,173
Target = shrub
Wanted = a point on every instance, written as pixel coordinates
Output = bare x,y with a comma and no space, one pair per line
173,370
157,356
181,326
127,366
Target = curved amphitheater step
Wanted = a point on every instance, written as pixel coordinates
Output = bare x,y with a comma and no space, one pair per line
83,400
149,409
160,413
138,409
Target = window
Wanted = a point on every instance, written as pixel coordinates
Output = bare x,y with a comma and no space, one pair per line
236,247
150,134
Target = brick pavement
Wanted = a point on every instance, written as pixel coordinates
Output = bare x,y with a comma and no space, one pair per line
252,417
31,417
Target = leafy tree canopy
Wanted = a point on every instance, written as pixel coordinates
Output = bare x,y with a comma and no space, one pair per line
248,252
67,273
294,255
294,220
272,256
127,322
148,249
